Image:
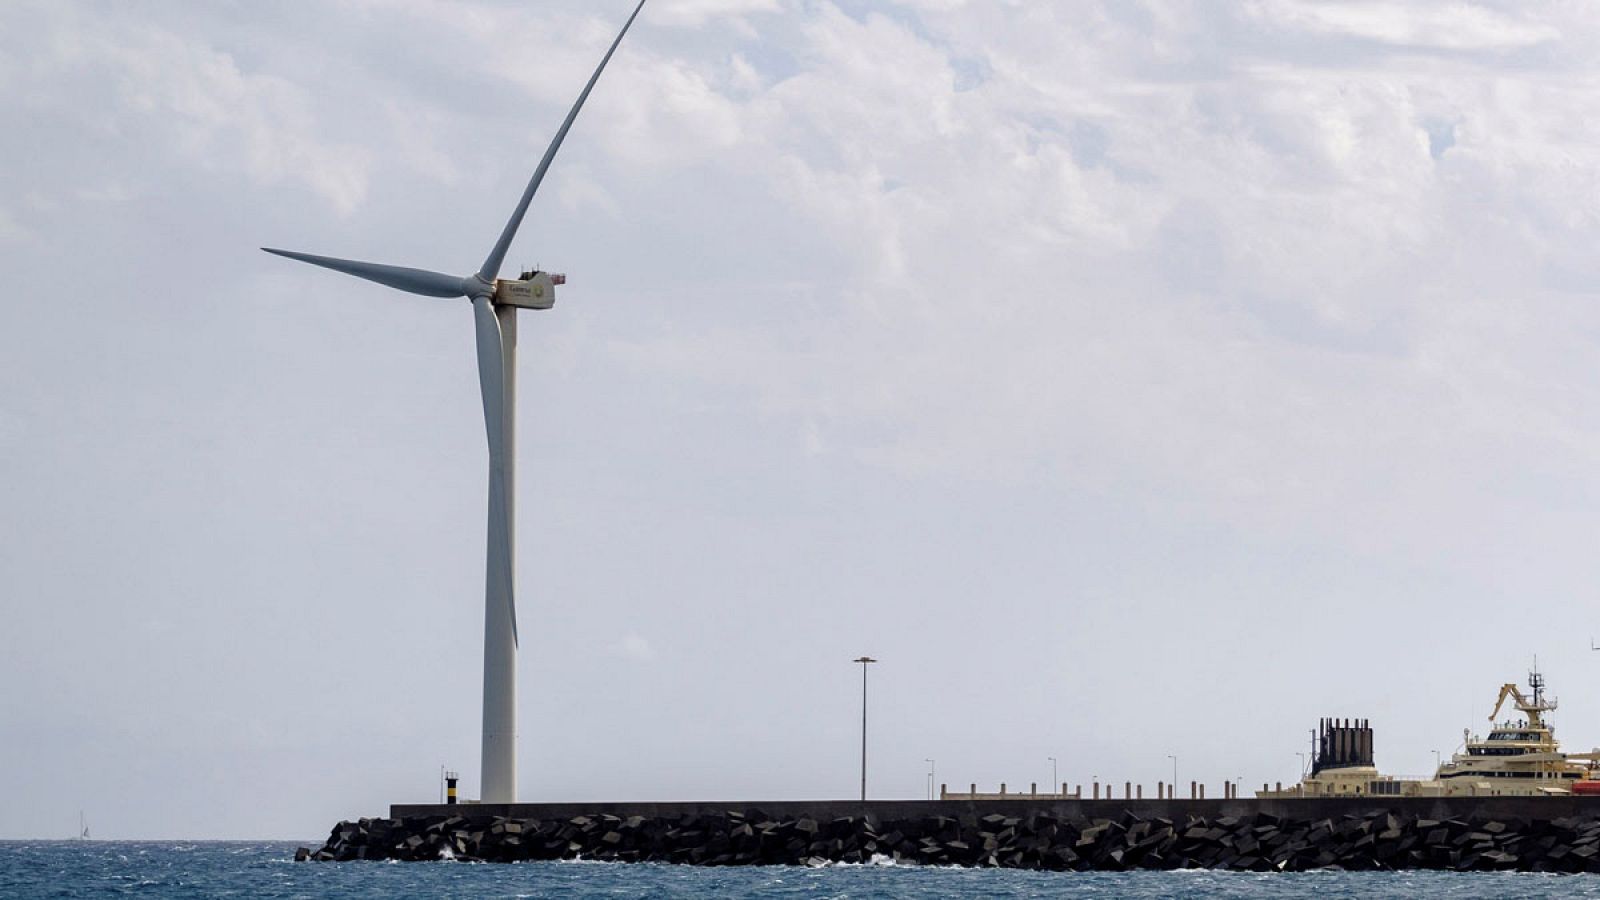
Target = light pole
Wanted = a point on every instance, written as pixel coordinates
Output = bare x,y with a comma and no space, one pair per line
930,777
1055,779
1436,764
864,660
1174,770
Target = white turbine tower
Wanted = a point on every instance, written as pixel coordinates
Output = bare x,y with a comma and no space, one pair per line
494,305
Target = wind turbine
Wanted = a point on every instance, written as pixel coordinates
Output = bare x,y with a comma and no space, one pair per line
495,302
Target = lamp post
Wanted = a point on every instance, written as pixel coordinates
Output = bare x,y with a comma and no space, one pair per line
1055,778
864,660
1436,764
930,777
1174,771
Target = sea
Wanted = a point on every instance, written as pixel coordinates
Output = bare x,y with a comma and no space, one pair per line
255,869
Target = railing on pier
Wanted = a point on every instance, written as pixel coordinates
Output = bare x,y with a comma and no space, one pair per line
1096,791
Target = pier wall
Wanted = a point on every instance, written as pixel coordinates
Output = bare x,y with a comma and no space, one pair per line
1537,834
1533,808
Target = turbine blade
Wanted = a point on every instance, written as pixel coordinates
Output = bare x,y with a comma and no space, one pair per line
491,373
491,265
412,281
492,376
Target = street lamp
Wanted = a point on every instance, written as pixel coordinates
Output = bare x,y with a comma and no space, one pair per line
864,661
1436,764
930,777
1055,778
1174,772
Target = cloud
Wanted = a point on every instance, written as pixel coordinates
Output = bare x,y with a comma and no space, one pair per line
10,228
696,13
1215,294
1451,26
634,647
222,116
212,112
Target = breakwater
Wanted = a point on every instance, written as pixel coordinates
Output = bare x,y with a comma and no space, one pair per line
1523,834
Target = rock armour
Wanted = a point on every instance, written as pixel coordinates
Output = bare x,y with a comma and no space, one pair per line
1257,843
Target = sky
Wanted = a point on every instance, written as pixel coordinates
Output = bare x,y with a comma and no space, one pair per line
1133,379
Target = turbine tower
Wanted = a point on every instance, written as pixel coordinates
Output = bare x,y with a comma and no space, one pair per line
495,302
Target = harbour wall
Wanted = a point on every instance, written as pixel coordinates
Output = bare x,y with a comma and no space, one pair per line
1560,834
1531,808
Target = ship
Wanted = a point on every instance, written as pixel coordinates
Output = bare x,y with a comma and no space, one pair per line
1520,757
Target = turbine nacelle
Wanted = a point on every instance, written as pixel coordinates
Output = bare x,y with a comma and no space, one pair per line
534,290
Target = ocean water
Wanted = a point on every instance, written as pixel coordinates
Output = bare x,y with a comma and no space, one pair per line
31,869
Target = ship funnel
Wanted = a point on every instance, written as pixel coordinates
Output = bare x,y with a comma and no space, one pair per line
1341,744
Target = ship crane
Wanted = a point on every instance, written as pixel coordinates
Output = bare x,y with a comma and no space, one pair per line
1531,708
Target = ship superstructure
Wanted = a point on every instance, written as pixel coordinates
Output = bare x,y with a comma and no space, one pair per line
1520,757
